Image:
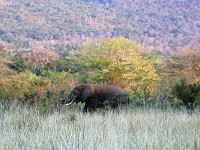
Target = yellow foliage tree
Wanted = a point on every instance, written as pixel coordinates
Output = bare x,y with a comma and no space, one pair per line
119,61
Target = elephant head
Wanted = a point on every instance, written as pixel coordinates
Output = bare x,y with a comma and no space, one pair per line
80,94
96,96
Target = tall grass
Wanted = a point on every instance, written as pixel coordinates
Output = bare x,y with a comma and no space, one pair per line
23,128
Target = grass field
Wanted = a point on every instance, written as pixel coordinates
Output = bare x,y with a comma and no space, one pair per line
131,129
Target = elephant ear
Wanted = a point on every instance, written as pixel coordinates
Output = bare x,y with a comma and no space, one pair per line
86,94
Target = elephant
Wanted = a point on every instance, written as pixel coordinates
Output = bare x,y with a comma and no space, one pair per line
97,96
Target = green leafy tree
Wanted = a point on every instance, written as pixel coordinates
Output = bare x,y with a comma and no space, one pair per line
189,94
118,61
18,63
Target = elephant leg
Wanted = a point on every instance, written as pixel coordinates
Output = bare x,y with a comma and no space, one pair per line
88,109
90,105
85,109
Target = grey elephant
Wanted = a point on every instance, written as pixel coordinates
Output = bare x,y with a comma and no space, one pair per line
96,96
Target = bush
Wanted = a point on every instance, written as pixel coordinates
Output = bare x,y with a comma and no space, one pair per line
44,107
30,89
189,94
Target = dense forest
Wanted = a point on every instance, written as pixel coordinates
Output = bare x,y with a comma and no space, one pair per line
62,25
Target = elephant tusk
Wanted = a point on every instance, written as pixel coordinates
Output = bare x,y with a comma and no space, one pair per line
69,103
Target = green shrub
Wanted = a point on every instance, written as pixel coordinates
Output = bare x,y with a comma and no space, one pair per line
189,94
44,107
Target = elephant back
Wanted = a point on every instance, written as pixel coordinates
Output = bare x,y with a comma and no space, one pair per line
112,95
109,90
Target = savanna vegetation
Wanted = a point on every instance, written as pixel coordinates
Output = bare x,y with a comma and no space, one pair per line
152,79
150,48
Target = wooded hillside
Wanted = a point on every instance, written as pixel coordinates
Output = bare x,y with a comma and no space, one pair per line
62,25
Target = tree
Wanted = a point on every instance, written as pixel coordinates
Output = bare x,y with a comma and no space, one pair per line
187,93
118,61
184,64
